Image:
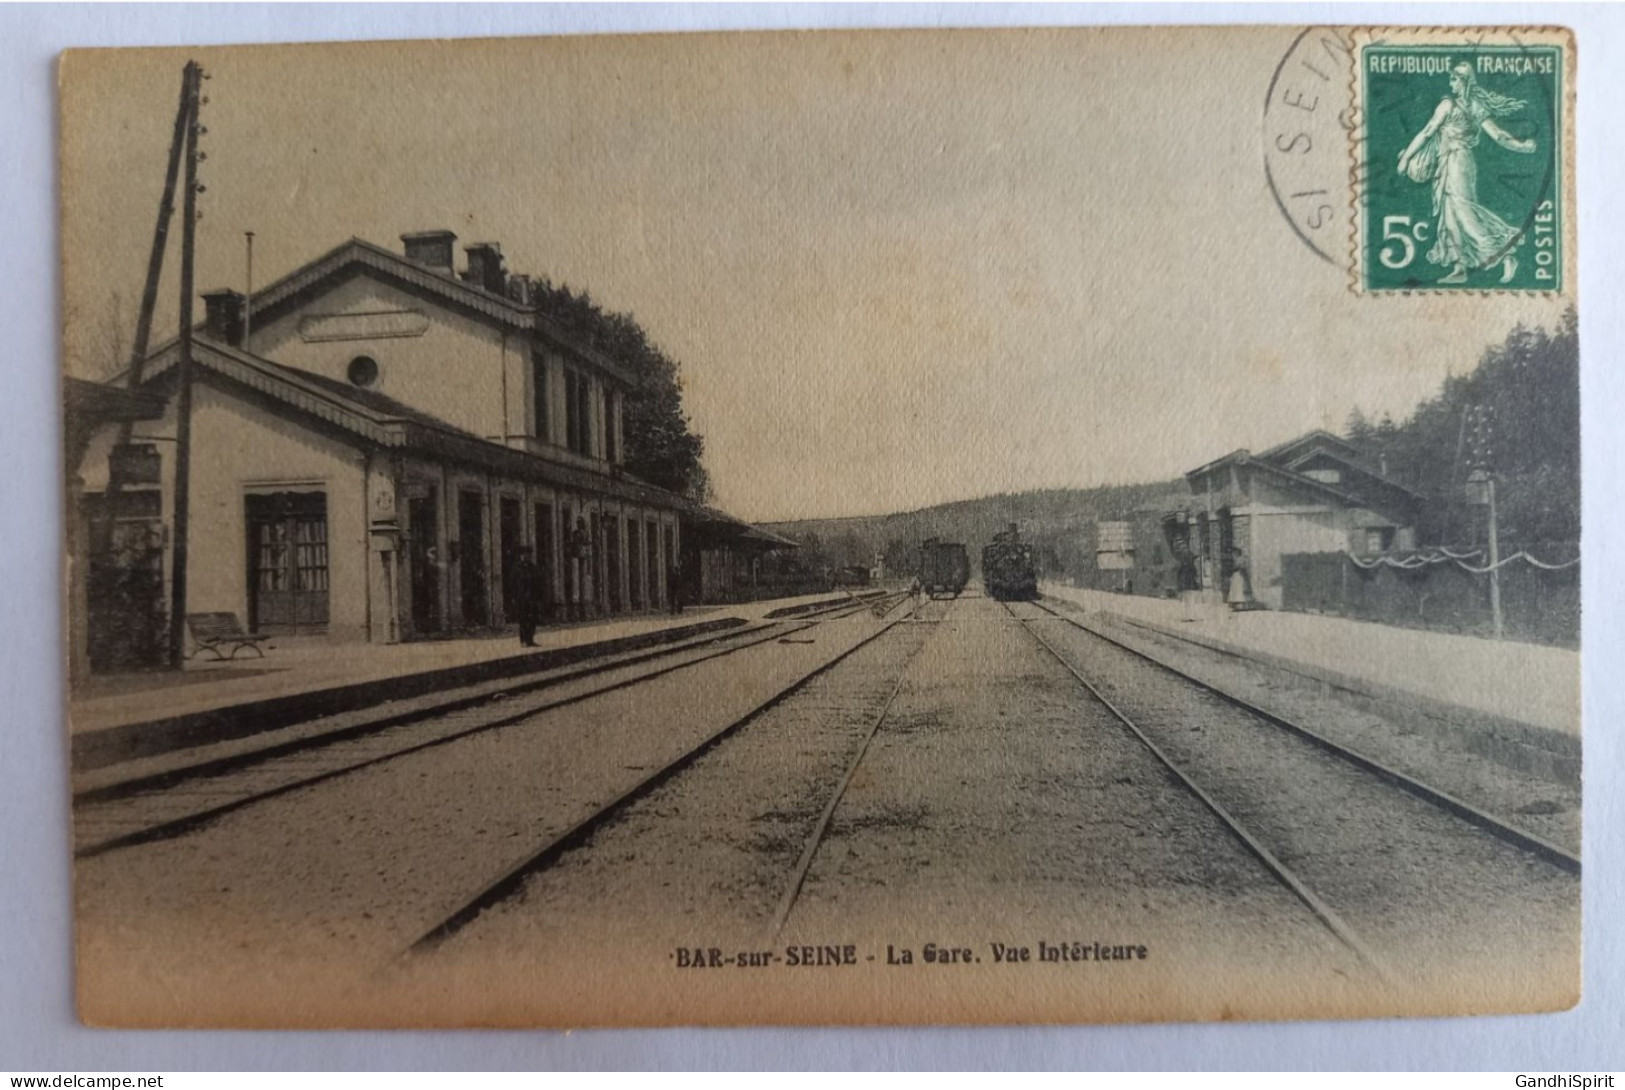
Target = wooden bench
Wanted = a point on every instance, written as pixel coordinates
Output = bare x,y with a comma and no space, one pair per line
213,631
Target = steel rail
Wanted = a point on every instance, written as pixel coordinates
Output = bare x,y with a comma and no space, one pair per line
216,766
180,826
512,879
1473,815
815,838
1323,911
518,685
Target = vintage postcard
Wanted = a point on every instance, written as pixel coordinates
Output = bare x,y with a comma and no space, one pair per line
833,527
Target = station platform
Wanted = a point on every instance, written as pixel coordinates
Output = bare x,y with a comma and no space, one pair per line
321,675
1531,686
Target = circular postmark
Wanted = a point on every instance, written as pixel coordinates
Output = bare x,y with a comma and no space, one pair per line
1309,113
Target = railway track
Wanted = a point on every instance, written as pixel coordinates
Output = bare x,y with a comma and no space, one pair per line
1320,829
1498,827
866,702
177,801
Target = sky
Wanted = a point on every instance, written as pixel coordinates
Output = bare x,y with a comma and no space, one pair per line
897,268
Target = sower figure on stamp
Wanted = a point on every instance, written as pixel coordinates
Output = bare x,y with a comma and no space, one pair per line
1468,236
526,583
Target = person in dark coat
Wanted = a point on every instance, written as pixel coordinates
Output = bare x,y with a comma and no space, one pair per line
527,581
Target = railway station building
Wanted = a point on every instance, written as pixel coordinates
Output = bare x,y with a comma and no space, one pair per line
1313,494
376,438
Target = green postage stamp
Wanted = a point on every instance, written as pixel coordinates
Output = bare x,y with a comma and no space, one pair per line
1461,159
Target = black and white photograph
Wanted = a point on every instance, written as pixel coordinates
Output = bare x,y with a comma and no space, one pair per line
889,526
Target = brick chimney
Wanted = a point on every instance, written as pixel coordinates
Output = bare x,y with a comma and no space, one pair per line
522,290
432,248
223,312
485,267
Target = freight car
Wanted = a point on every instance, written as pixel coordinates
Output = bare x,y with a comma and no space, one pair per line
1007,568
944,568
855,575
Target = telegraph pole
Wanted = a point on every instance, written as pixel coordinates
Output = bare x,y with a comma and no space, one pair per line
1495,564
149,296
160,238
1481,490
183,373
248,293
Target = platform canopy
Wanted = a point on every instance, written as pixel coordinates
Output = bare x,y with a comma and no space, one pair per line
709,528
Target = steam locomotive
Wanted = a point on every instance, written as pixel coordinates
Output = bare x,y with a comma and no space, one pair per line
1007,568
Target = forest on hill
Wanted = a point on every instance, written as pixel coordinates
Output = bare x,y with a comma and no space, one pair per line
1058,521
1516,416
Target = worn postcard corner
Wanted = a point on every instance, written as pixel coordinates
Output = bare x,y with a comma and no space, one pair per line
843,527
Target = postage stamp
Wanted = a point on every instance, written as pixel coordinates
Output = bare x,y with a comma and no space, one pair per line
1459,162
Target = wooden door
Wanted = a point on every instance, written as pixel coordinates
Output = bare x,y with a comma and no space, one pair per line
471,558
423,530
511,539
546,558
636,572
651,541
287,562
612,563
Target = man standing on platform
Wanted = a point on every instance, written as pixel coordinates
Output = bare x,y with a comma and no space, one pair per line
526,582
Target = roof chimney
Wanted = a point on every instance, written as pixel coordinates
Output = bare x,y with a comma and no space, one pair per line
223,313
485,267
522,290
431,248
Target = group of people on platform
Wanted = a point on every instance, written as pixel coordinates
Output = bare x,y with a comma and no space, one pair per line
1195,576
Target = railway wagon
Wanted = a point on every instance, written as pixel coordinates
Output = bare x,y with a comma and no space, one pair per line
1008,573
855,575
944,568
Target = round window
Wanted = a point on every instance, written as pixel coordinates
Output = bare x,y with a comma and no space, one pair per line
363,370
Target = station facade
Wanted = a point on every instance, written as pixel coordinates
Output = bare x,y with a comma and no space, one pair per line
376,438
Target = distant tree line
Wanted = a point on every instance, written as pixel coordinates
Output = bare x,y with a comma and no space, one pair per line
661,446
1058,522
1517,416
1527,389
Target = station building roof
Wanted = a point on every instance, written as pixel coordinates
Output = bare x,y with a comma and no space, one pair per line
367,416
1358,483
471,297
